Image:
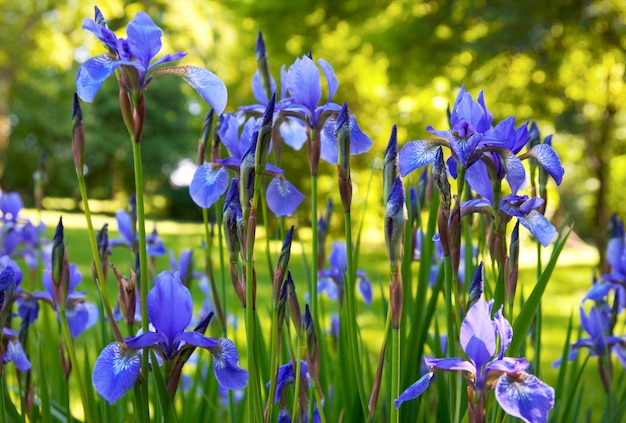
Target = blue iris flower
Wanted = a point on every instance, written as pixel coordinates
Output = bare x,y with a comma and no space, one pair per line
170,307
484,340
305,94
135,55
331,280
154,243
210,180
14,350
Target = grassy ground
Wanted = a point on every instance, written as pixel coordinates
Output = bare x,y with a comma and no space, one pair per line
567,287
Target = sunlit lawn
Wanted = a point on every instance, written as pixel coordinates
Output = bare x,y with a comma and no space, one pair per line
567,287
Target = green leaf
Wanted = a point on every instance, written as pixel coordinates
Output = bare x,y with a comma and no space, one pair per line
169,413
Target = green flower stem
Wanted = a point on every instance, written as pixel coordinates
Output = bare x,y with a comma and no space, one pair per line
314,260
2,393
69,343
396,335
214,293
351,323
296,400
273,362
143,257
101,282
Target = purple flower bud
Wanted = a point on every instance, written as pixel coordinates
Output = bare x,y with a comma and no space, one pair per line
395,220
390,166
342,132
476,287
233,221
78,137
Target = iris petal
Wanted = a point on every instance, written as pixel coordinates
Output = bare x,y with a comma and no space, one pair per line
226,366
115,371
146,36
208,185
539,226
416,154
525,396
303,83
282,197
550,161
92,74
208,85
169,305
478,338
414,390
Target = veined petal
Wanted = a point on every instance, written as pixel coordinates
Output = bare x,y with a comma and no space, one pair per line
416,154
525,396
331,78
168,58
478,337
414,390
197,339
146,37
206,83
226,365
550,161
145,340
208,184
169,305
115,371
282,197
92,74
507,364
515,173
539,226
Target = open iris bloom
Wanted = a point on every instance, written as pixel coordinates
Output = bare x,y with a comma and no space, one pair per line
210,180
331,280
485,340
170,307
475,144
305,94
125,223
134,56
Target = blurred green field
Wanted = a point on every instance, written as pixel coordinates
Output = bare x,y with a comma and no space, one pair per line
568,285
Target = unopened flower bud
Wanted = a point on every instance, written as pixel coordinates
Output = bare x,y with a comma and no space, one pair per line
233,221
513,269
60,267
263,64
476,287
390,165
342,132
78,137
292,301
283,262
395,220
264,137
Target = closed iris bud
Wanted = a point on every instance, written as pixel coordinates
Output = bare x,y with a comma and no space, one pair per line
342,132
511,282
395,220
440,177
283,262
78,137
476,287
264,137
233,221
246,175
60,267
390,165
292,301
263,63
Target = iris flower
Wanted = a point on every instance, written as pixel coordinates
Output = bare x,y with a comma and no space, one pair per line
331,280
135,54
170,307
484,341
14,351
210,180
305,94
154,243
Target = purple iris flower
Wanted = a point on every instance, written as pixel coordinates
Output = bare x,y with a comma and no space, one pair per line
135,55
210,180
154,243
332,280
170,307
287,375
10,205
484,341
15,351
524,208
81,314
305,94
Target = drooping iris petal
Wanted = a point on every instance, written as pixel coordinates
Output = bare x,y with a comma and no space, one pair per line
81,315
226,365
515,173
539,226
197,339
170,306
208,184
414,390
505,330
206,83
282,197
365,287
147,339
359,142
125,228
293,132
416,154
524,396
550,161
146,37
452,363
115,371
478,338
93,72
16,354
477,176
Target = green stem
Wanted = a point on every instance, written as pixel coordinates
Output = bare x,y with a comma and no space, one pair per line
296,400
143,256
352,335
69,343
395,374
2,393
214,293
314,236
101,282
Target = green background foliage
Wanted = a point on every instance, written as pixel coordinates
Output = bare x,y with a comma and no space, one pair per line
400,62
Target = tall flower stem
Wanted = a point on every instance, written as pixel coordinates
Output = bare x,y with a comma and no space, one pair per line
351,323
101,282
76,366
396,335
216,297
143,255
